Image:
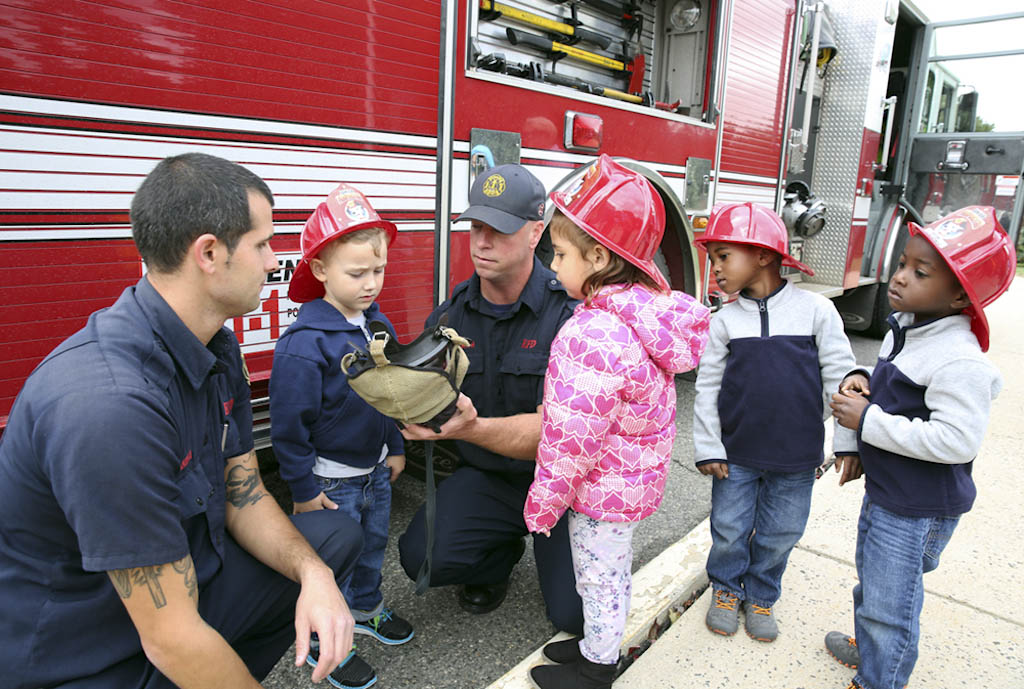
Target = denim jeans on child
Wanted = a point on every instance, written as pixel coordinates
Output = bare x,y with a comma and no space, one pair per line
893,553
367,500
772,506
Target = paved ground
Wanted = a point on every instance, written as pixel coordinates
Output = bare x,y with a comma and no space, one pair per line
454,650
972,632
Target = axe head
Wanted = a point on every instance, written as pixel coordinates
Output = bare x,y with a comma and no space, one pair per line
636,68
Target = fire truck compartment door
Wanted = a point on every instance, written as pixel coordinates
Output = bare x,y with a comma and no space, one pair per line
982,155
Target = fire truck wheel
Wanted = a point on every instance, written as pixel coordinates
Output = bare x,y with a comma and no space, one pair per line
879,325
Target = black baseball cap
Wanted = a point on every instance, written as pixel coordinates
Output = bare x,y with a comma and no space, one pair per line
505,197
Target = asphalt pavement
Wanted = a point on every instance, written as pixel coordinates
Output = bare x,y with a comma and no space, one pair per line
456,650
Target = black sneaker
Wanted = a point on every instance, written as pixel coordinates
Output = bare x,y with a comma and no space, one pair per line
351,673
387,628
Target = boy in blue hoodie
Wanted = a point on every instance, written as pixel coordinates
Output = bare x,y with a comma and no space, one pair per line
773,357
919,432
335,451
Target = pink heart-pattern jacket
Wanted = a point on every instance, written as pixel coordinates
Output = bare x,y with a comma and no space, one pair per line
610,405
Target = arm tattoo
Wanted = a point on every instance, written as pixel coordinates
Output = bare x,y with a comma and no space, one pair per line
186,568
122,582
126,580
243,486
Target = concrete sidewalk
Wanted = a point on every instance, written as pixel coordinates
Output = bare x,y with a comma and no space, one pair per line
972,632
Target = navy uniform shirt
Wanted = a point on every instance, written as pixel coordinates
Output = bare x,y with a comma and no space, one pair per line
113,458
509,356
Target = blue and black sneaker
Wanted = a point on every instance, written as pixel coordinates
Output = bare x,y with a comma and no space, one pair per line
351,673
387,628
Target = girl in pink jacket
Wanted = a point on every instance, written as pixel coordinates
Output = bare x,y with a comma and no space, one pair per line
609,403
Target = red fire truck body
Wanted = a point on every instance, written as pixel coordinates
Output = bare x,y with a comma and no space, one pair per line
406,101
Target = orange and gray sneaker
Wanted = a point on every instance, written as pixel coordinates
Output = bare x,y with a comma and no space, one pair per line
843,648
760,623
723,615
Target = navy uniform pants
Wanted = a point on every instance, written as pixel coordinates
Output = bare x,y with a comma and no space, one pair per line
251,605
477,540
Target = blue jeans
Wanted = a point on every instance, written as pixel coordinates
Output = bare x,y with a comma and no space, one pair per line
893,553
367,500
756,519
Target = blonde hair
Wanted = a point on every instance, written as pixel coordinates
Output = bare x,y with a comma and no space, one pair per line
375,236
619,271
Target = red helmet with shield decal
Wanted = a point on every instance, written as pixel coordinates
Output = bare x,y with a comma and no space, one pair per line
346,210
978,251
619,208
752,225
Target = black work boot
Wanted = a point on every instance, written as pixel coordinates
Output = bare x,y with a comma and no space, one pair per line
479,599
565,651
580,675
482,598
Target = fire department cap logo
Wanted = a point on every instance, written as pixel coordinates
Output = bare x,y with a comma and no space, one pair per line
494,186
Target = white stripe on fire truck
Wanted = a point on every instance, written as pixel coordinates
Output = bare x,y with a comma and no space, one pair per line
130,115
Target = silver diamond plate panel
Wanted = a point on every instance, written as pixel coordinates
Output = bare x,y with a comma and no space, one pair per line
862,36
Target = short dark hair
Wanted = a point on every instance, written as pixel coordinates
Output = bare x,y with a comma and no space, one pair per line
619,271
186,196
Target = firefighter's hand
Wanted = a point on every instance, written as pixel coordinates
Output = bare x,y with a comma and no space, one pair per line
397,465
320,502
716,469
850,467
848,407
454,428
855,382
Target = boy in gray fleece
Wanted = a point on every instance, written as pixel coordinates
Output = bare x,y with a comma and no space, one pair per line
773,358
919,432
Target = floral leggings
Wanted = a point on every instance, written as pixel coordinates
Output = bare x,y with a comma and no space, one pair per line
602,558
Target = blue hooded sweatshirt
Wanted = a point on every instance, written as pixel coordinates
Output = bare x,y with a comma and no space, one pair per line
313,411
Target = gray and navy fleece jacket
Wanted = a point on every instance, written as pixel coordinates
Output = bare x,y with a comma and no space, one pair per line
765,380
313,411
931,393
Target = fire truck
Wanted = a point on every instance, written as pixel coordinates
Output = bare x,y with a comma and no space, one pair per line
848,117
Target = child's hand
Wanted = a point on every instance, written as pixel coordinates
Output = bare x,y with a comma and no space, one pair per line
850,466
320,502
716,469
848,407
855,382
397,465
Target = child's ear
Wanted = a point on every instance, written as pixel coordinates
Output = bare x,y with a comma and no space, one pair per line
316,266
961,301
599,257
766,257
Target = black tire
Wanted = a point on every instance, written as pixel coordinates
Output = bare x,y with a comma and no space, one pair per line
879,318
880,315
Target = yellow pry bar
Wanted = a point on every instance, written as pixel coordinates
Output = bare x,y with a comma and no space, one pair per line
558,27
528,17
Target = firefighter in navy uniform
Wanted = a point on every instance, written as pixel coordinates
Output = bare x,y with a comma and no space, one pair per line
510,308
138,547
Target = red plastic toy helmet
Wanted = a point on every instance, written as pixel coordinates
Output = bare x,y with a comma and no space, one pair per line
346,210
753,225
619,208
977,250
